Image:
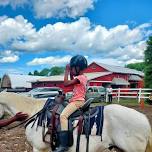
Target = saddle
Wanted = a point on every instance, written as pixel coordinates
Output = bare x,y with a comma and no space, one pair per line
86,117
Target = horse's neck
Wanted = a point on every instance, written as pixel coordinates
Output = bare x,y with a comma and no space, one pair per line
16,103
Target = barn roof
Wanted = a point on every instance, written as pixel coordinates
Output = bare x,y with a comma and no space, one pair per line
50,78
21,81
90,76
119,69
135,78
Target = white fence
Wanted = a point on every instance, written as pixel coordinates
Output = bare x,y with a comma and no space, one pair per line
136,93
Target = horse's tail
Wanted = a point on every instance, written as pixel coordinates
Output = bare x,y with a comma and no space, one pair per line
149,144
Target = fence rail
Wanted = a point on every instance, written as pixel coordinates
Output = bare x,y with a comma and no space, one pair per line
136,93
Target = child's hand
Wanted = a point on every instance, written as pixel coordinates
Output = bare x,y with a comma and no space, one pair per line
68,67
20,116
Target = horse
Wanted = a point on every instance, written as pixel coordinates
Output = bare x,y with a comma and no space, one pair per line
123,127
1,111
13,103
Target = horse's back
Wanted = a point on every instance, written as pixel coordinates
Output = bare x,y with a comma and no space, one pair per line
126,127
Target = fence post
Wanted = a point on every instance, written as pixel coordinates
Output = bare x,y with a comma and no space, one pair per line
139,95
118,96
106,96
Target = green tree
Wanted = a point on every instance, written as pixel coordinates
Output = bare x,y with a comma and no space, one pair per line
148,64
56,70
44,72
36,73
30,73
137,66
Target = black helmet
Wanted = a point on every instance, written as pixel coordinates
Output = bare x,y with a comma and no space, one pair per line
78,61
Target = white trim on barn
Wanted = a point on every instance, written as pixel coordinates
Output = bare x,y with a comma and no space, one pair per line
99,81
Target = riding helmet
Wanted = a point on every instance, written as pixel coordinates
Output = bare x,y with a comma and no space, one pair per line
78,61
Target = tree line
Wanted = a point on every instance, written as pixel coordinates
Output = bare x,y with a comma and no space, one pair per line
48,72
140,66
145,66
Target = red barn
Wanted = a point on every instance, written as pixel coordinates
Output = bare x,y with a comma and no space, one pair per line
100,74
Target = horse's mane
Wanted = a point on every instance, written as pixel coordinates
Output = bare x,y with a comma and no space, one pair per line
17,102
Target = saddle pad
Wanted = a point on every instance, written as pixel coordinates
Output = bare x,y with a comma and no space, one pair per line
96,119
45,115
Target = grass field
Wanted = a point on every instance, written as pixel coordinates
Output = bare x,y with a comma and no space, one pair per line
125,102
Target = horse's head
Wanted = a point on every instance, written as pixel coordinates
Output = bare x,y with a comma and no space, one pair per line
15,103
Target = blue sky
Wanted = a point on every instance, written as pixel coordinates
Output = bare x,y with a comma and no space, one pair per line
35,34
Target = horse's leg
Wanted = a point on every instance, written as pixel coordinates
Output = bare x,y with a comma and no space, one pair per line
106,138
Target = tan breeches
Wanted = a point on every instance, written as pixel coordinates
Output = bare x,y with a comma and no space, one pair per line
69,109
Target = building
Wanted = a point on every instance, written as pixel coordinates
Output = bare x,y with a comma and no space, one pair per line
14,81
118,76
99,74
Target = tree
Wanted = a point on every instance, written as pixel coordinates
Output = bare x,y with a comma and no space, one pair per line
138,66
30,73
36,73
49,72
57,70
148,64
44,72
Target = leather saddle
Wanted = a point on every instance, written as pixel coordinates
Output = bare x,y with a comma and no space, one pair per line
49,116
83,110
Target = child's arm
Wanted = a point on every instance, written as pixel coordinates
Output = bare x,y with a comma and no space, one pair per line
18,117
7,122
69,82
71,76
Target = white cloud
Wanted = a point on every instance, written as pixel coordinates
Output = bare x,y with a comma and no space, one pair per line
53,8
51,60
2,18
15,29
119,42
8,56
63,60
61,8
133,61
9,59
13,3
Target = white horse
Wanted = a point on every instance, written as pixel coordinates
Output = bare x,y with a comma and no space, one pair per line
1,111
123,127
13,103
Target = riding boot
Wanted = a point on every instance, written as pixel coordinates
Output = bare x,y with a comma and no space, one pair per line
70,140
64,144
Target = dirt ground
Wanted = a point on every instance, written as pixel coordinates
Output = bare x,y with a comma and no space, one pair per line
15,141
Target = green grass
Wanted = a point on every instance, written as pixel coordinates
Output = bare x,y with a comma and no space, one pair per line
125,102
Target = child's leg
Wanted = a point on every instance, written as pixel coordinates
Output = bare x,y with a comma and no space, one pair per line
69,109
